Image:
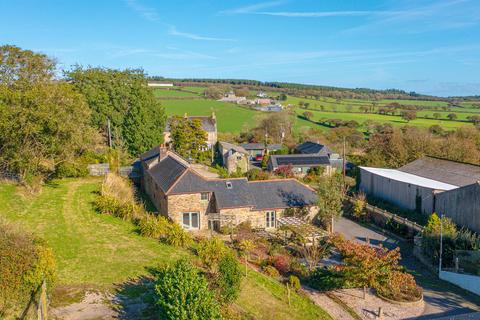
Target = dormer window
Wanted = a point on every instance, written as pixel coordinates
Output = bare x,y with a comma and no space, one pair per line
229,185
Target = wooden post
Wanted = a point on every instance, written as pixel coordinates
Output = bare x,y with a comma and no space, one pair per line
288,294
380,313
364,292
246,264
42,303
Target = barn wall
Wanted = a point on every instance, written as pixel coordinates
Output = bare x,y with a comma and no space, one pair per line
462,205
398,193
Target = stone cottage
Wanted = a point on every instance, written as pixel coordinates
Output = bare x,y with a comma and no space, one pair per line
209,125
234,157
197,202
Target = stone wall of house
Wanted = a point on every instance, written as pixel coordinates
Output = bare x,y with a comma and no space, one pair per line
256,217
212,139
237,160
183,203
155,194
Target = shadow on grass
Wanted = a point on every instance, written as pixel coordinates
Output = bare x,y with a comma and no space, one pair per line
135,299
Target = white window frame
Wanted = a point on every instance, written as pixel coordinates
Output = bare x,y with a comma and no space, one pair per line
189,226
270,219
202,194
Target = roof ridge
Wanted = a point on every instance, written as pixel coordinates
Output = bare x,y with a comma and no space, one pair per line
449,160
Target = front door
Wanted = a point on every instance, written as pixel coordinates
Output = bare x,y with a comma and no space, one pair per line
191,220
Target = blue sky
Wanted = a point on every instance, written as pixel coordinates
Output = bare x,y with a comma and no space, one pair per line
431,47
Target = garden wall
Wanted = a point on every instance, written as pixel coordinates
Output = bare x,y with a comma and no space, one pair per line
465,281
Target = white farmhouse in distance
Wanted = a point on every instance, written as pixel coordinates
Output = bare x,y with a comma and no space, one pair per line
160,84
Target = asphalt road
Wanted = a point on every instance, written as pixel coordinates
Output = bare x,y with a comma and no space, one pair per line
441,298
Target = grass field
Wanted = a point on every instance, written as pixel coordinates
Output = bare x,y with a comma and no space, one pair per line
233,118
167,93
394,120
103,252
230,117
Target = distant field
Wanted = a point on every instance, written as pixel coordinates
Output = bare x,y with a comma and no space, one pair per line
168,93
394,120
230,117
234,118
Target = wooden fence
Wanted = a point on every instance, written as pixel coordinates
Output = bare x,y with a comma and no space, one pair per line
381,216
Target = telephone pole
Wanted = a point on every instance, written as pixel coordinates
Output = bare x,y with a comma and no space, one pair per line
343,163
109,134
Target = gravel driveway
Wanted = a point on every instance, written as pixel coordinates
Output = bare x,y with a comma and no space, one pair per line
441,297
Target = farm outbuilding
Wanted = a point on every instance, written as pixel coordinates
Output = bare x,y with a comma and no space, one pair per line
429,185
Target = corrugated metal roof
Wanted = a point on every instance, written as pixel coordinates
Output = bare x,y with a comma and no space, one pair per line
451,172
401,176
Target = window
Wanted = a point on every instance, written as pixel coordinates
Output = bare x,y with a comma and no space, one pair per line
204,196
190,220
229,185
270,219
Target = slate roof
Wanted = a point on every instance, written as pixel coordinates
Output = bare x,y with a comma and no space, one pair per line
175,177
208,123
281,194
310,147
261,146
166,172
298,160
230,146
152,153
446,171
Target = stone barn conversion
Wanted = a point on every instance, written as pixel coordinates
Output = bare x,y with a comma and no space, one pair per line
429,185
197,202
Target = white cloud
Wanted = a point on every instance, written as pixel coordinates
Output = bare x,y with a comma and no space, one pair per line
147,13
321,14
174,32
252,8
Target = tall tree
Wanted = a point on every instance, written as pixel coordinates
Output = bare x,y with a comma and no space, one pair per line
42,122
330,199
188,136
124,98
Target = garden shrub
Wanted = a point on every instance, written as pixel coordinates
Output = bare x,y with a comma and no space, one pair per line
154,226
229,278
183,294
298,269
24,262
271,271
177,236
281,262
211,251
325,279
107,204
294,283
71,170
400,286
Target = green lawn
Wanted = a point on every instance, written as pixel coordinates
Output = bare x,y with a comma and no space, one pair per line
230,117
94,250
90,248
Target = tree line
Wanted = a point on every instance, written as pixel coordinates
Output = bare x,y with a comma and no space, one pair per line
52,119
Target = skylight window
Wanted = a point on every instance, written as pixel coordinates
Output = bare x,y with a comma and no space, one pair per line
229,185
